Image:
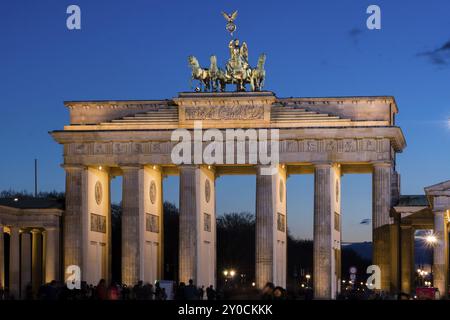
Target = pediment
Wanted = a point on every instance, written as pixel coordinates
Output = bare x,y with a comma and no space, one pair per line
442,188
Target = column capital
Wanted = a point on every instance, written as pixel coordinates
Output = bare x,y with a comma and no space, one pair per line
381,164
323,164
51,229
130,167
73,167
14,228
268,170
154,167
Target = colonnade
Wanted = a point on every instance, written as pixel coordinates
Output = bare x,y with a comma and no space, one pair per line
87,224
33,258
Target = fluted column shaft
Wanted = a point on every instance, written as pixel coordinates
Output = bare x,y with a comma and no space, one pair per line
407,258
73,216
326,265
188,224
51,254
440,253
381,205
264,229
2,258
131,254
14,262
36,257
25,262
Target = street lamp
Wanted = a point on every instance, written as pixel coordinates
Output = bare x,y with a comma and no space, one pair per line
308,276
431,239
232,273
225,273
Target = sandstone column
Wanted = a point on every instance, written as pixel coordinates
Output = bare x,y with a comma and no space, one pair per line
73,217
131,254
14,262
36,257
381,205
151,223
197,256
271,229
327,226
51,254
440,253
407,258
2,258
188,223
25,262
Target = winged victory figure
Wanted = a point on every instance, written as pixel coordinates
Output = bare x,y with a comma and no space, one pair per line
231,26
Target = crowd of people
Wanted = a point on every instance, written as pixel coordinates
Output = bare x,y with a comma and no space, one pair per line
114,291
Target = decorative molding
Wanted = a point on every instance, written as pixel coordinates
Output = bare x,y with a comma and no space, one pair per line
226,112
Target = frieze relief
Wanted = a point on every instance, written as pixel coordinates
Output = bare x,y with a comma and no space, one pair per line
380,146
238,112
119,148
337,145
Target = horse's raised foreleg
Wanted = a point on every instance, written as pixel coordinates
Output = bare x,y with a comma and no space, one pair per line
252,83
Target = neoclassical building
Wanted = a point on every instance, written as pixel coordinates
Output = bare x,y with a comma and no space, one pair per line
325,137
30,237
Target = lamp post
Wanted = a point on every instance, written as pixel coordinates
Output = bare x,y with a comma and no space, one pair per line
308,276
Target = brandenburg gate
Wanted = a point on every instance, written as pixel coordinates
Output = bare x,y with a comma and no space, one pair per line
327,137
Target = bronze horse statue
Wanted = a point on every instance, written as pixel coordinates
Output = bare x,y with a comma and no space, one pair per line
198,73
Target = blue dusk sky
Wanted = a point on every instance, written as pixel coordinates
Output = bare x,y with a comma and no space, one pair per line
137,49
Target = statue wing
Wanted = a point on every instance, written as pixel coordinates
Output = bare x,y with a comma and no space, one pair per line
244,51
234,15
226,16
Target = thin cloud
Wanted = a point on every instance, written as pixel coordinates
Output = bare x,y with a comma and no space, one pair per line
439,56
355,34
365,221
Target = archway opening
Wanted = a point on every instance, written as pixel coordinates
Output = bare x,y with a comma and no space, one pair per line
116,228
356,231
171,192
235,213
300,218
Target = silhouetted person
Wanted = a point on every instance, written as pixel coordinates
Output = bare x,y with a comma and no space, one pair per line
125,292
138,291
210,293
101,292
179,291
163,294
148,291
191,292
279,293
157,291
113,292
201,292
267,292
